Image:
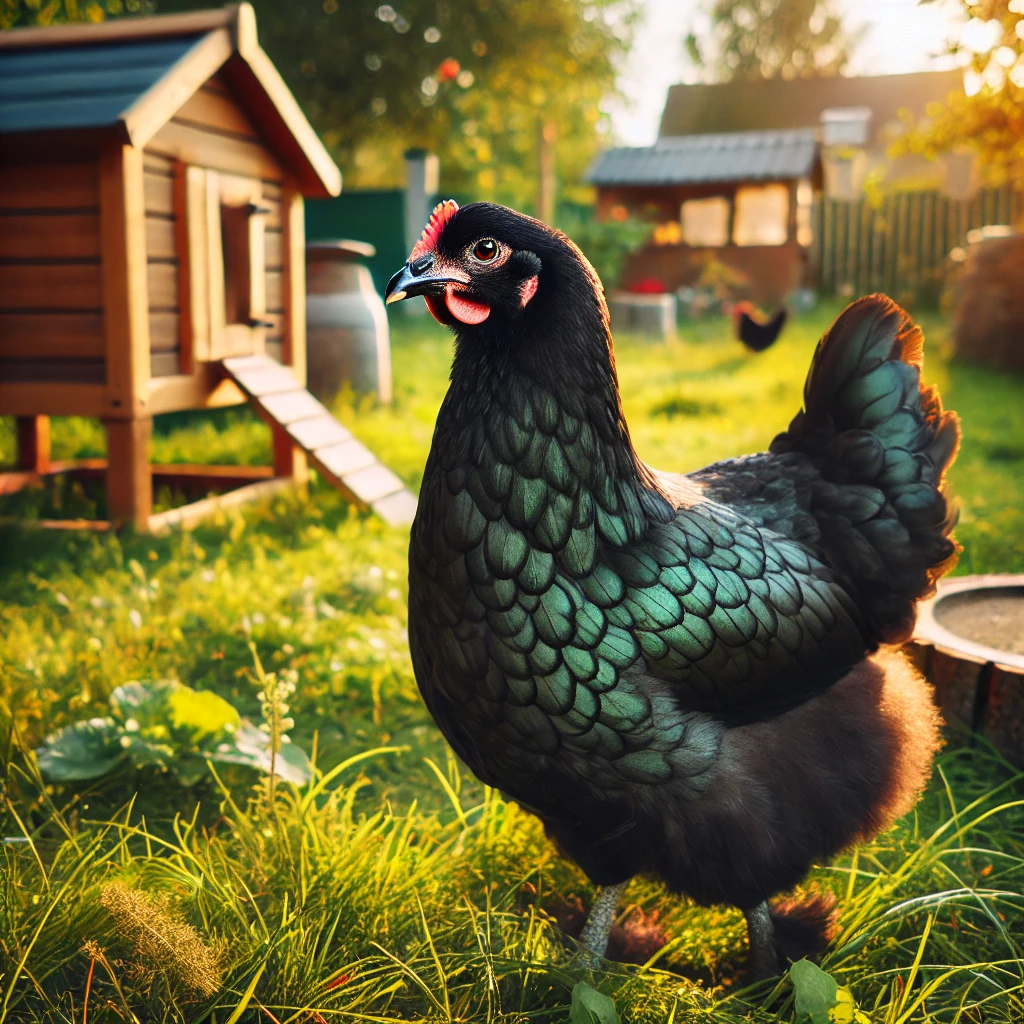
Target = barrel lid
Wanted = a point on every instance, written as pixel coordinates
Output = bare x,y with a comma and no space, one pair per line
341,248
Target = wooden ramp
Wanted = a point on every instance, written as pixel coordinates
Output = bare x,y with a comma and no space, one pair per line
350,466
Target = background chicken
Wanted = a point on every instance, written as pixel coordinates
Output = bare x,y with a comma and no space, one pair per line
756,332
683,676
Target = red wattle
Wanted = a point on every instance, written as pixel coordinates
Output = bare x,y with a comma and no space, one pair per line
464,309
437,309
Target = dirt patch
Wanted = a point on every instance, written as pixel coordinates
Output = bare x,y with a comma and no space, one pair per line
994,618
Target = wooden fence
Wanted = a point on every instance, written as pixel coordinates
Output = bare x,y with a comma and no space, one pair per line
901,246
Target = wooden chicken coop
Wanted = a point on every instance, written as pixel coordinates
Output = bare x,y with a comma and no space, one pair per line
152,255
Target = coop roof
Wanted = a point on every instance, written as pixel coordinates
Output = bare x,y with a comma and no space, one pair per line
706,159
133,74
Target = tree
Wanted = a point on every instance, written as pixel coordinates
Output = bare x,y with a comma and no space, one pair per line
759,39
22,13
473,80
988,116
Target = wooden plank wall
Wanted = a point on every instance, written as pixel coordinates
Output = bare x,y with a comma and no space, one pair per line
900,247
162,265
51,305
211,130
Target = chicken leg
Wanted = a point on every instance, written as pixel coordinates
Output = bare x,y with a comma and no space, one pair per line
594,936
762,960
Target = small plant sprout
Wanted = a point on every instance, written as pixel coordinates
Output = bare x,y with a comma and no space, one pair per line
275,689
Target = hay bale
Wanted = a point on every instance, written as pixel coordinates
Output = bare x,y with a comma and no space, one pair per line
988,312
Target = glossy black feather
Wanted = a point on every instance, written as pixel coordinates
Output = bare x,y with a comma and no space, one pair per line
759,335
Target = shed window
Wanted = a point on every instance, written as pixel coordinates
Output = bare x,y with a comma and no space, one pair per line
705,221
234,233
762,215
804,214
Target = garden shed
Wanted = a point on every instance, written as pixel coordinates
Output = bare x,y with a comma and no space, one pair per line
152,254
740,199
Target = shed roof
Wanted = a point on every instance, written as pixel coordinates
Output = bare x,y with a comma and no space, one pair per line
699,159
132,75
778,103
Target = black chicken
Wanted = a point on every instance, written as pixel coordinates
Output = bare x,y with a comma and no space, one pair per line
757,333
683,676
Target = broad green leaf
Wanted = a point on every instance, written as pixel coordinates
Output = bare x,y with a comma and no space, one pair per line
201,712
591,1007
816,992
250,746
142,707
149,751
85,750
292,764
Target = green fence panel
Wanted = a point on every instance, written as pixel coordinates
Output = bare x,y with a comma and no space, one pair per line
374,217
377,217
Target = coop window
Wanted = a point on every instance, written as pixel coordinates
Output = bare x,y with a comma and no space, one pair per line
762,215
705,221
234,233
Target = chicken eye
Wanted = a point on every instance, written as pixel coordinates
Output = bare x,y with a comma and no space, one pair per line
485,250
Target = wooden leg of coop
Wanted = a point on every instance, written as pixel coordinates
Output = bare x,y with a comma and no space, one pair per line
289,458
34,443
129,477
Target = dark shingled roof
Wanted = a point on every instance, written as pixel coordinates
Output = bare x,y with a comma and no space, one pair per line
779,104
82,86
695,159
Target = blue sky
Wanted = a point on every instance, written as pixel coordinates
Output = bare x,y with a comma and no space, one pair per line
901,36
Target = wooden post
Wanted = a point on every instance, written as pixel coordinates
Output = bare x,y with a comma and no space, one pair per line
34,443
292,212
289,458
125,285
129,477
791,213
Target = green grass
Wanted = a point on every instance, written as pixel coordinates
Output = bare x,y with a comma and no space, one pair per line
398,888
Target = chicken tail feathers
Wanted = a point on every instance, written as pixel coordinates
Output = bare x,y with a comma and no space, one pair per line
804,926
881,444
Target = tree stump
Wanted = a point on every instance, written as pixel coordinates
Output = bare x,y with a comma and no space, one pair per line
979,687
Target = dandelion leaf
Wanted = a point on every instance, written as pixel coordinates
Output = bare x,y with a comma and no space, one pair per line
816,992
591,1007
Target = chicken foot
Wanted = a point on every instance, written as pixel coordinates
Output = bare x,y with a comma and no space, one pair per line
763,960
598,927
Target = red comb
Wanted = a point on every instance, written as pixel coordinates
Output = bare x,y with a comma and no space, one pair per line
443,212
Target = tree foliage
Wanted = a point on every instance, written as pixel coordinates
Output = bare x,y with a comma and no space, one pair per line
24,13
988,115
771,39
472,80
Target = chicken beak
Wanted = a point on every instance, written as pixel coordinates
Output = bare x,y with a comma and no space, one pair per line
416,278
